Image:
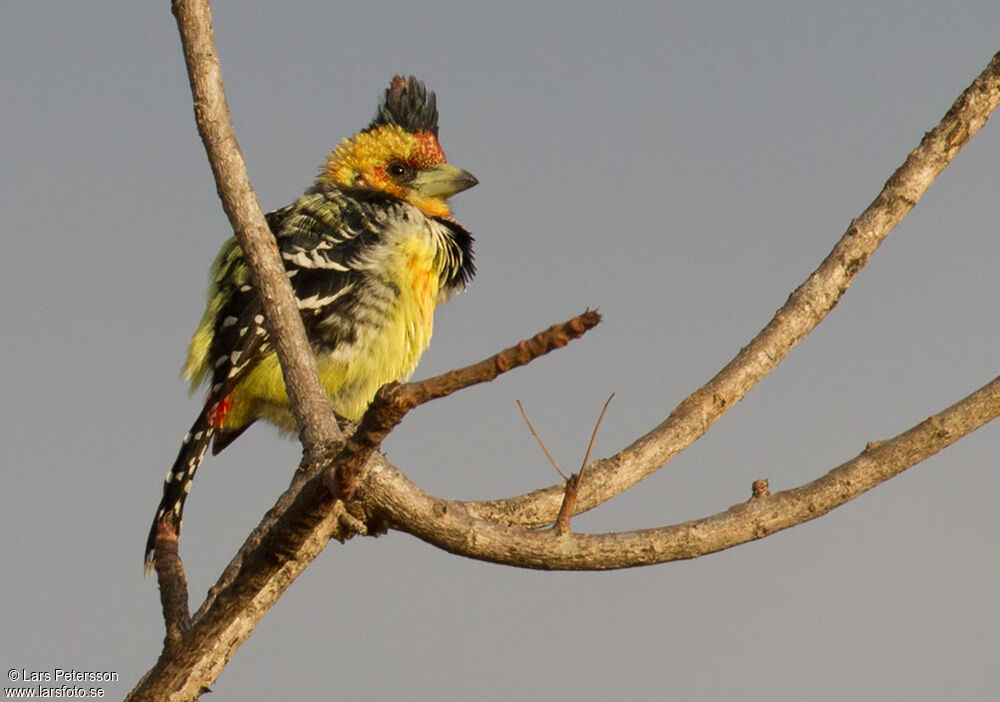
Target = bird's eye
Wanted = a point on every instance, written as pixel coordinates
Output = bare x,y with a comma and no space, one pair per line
400,171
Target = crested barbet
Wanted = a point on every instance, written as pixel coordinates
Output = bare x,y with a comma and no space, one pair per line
370,250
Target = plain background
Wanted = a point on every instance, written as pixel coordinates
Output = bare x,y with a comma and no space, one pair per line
680,166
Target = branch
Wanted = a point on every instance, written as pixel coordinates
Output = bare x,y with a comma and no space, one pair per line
318,427
301,523
806,307
452,526
270,568
281,313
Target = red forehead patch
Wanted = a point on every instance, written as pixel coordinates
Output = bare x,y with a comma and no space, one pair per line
428,149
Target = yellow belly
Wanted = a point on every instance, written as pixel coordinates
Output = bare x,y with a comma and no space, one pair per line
351,376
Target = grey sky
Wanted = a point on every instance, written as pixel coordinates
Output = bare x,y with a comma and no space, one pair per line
680,166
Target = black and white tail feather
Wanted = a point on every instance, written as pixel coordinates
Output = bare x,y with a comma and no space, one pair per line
177,484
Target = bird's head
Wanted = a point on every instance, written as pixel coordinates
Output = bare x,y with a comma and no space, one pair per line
398,153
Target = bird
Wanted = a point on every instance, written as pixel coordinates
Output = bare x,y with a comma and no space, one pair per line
370,250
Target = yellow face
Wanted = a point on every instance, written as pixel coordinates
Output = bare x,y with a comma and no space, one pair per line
402,164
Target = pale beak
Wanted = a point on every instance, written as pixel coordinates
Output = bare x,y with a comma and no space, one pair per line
443,181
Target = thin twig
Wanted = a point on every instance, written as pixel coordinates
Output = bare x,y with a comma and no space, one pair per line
593,435
526,351
539,440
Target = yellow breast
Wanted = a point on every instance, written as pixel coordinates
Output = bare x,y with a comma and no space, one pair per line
351,375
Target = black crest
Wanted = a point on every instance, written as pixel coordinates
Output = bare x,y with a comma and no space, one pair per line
408,105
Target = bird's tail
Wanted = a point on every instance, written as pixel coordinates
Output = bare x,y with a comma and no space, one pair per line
178,481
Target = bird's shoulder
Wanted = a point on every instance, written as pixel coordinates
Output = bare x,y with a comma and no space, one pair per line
339,219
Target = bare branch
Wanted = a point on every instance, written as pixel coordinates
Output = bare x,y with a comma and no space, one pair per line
806,307
524,352
298,527
284,325
318,427
271,567
452,526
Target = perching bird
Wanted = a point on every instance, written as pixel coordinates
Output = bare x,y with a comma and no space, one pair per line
370,250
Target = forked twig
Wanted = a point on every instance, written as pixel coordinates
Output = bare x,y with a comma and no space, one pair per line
573,484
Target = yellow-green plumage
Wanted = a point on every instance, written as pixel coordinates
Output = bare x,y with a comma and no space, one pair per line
228,266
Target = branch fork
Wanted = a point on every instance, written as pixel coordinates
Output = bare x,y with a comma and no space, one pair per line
572,490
